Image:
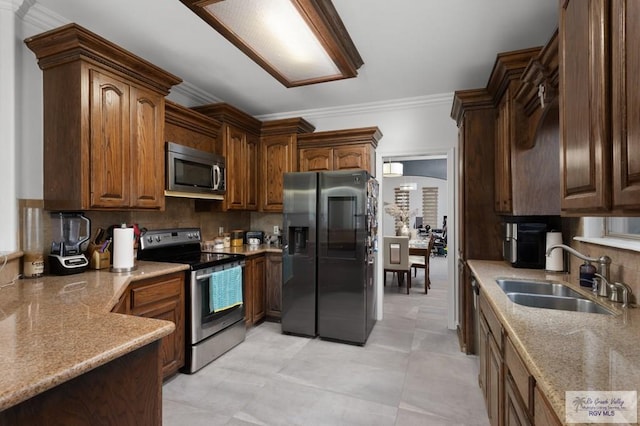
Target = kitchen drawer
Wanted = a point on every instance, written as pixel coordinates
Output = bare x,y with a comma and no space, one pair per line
519,373
154,290
492,320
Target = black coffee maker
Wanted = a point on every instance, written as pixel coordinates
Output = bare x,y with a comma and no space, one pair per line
69,231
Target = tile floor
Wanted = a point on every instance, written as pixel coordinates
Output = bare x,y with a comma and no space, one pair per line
410,372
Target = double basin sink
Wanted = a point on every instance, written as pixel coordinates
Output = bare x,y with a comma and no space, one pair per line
548,295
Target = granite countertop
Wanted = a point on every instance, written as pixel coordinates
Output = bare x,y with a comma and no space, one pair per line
566,351
55,328
248,250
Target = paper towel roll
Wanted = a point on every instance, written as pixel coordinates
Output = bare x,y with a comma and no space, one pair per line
555,261
123,248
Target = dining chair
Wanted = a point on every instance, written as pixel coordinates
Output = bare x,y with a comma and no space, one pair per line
396,259
422,261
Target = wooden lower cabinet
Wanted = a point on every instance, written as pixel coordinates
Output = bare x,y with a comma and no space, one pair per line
543,414
494,397
254,295
515,414
161,298
509,390
274,286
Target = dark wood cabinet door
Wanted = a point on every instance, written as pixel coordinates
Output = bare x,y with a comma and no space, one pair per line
483,354
585,154
147,149
258,288
494,382
625,64
514,412
316,159
503,155
236,167
543,412
163,298
252,171
110,141
278,156
254,297
273,289
351,157
248,291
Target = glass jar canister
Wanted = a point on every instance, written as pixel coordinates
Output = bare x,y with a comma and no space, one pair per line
32,243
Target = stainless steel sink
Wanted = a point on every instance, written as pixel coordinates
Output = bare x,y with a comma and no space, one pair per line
548,295
575,304
551,288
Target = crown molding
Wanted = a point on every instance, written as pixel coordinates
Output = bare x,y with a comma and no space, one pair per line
364,108
10,5
196,95
39,16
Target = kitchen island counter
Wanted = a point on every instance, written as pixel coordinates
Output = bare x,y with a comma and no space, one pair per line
56,328
566,351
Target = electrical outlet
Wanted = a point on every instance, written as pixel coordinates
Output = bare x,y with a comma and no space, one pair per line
220,230
276,229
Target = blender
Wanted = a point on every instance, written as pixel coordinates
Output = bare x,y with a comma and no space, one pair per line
69,230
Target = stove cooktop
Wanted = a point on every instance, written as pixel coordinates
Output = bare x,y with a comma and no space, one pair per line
180,245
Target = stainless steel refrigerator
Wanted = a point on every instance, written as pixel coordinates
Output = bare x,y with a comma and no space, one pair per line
329,244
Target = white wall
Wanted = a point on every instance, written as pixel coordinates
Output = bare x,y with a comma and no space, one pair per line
8,98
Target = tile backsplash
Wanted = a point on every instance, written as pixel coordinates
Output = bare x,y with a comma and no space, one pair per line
625,264
179,212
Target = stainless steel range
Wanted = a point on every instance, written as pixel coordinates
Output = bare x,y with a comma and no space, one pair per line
215,288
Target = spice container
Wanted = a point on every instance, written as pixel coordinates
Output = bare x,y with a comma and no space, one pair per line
237,238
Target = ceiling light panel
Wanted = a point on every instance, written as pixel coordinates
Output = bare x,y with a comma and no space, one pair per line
299,42
278,34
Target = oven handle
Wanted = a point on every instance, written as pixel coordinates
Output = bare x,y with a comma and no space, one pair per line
205,276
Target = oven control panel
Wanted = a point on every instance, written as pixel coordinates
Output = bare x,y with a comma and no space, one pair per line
169,237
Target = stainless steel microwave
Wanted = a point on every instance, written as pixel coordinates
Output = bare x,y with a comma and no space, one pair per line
194,173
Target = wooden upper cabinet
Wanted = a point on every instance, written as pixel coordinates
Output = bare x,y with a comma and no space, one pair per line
237,167
316,159
147,155
354,157
474,113
278,155
109,146
103,123
339,150
190,128
625,63
239,144
278,152
504,136
585,155
526,146
253,171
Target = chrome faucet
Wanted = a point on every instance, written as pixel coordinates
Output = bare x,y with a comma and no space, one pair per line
603,266
626,291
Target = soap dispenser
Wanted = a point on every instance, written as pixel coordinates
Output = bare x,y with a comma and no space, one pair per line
587,274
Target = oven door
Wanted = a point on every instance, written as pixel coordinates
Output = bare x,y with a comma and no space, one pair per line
216,299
